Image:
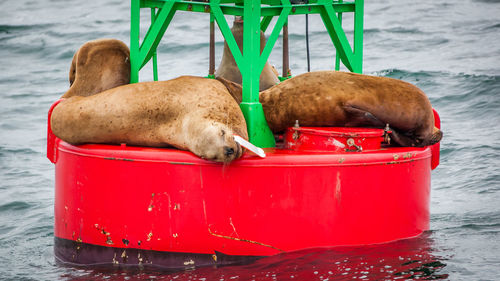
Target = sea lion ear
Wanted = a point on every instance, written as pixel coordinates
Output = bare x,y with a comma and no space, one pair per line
234,89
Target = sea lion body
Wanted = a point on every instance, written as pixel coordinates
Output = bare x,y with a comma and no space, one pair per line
332,98
190,113
230,71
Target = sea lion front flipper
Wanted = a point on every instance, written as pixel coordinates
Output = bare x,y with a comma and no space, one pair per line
357,117
234,89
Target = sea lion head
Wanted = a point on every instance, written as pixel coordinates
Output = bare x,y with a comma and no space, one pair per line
216,143
97,66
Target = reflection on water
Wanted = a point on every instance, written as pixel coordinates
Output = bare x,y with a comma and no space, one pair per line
416,258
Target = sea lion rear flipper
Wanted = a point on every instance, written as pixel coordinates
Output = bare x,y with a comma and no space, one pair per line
357,117
401,139
436,137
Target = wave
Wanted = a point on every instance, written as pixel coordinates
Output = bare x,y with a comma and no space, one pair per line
8,28
15,206
479,221
488,1
495,26
16,150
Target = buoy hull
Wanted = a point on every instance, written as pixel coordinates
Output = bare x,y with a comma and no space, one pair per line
170,201
326,187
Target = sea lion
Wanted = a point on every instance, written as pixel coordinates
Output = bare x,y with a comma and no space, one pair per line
332,98
189,113
97,66
230,71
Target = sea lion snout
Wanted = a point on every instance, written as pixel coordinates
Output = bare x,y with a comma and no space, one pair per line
228,151
231,150
216,143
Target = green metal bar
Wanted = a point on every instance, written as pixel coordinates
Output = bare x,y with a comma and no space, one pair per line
337,56
134,41
337,36
358,35
155,57
265,23
271,2
251,50
275,34
228,35
258,130
275,10
303,9
156,31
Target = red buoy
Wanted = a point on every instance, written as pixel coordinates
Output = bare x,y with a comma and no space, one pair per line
168,208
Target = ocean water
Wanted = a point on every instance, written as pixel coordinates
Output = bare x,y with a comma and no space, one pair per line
449,48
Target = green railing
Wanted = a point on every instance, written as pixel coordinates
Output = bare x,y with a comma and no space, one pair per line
257,16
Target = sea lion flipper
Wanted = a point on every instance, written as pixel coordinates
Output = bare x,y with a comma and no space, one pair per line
234,89
357,117
436,137
401,139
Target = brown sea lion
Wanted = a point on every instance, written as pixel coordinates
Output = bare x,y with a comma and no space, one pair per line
332,98
228,68
190,113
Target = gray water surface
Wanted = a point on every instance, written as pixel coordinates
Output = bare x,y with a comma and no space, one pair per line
449,48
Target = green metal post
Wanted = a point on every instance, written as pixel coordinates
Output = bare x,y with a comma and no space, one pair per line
358,35
265,23
156,31
338,36
337,56
282,19
155,58
134,41
258,130
228,35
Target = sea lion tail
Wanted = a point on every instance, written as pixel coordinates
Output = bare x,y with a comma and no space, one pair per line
234,89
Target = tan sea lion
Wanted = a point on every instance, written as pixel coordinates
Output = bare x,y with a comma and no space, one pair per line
190,113
228,68
332,98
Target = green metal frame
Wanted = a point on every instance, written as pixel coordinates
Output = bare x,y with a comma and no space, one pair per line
257,16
